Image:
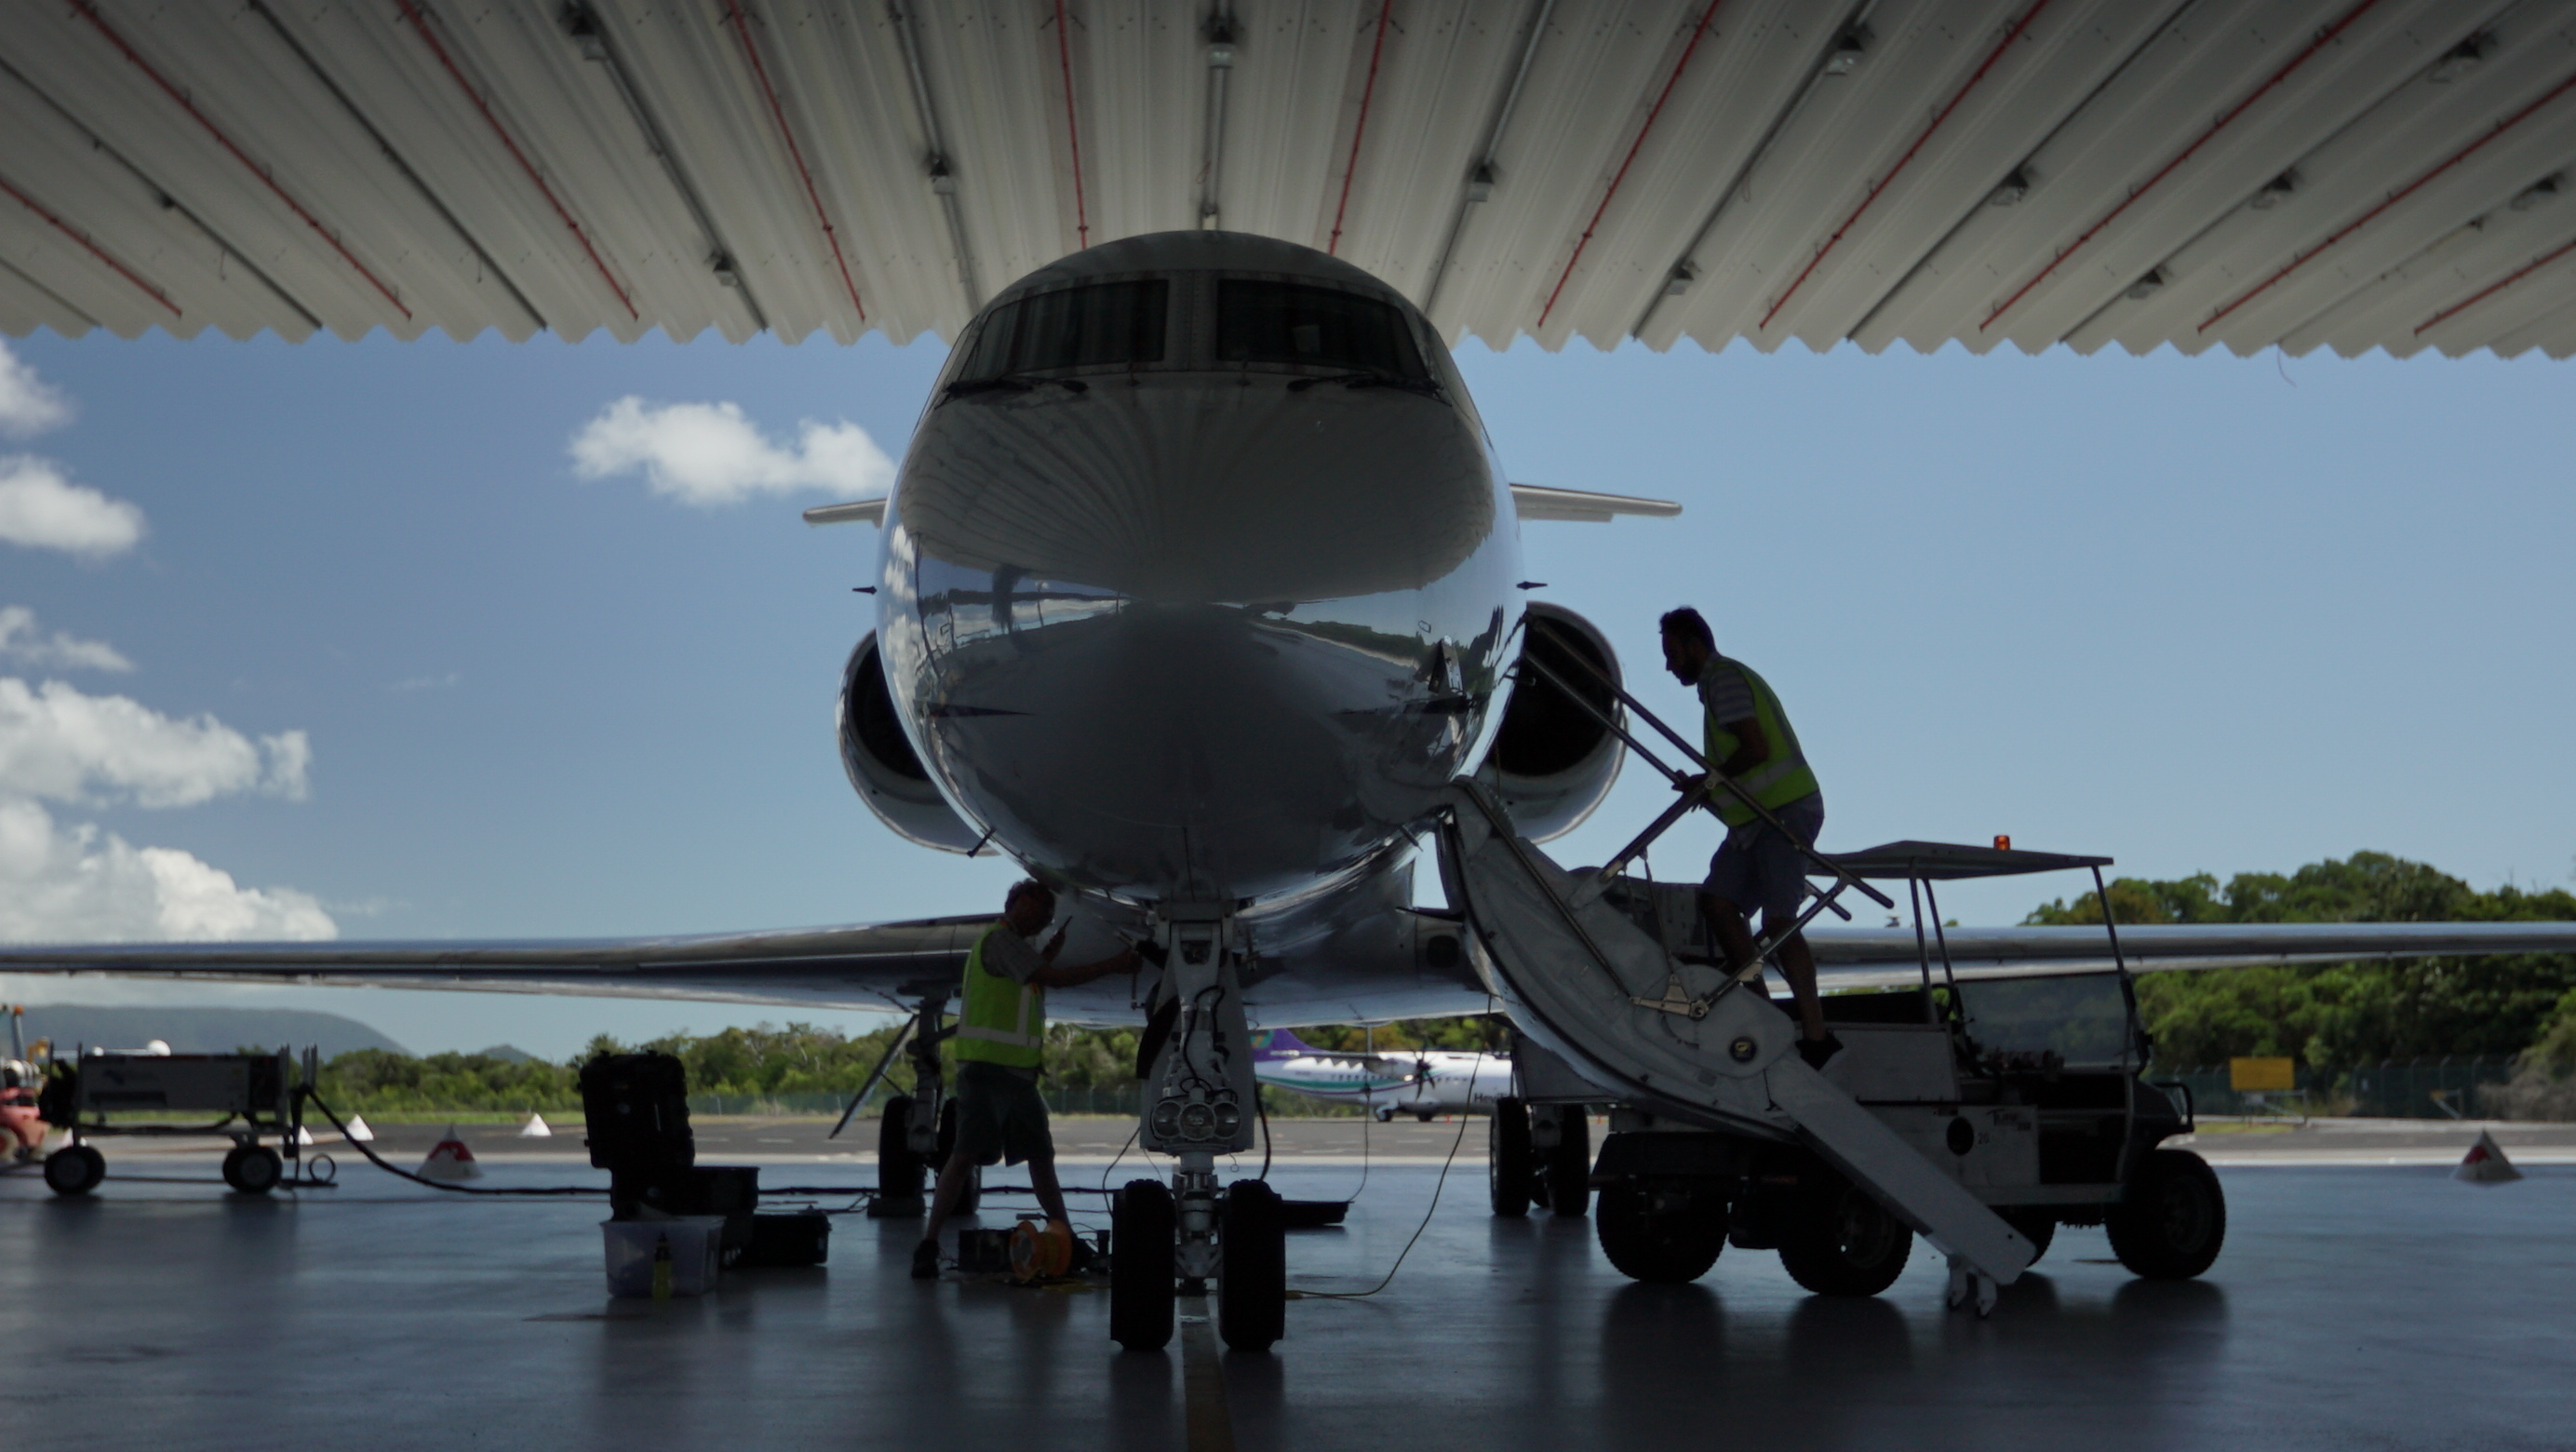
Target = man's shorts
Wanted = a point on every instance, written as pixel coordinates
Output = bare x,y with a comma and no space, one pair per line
999,1114
1756,867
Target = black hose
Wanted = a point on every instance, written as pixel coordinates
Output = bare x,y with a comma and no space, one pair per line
378,1161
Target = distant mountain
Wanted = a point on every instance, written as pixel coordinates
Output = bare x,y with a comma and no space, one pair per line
197,1030
509,1054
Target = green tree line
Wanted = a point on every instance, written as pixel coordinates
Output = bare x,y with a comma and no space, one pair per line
2340,1016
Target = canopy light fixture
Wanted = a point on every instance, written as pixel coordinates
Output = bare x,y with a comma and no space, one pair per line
2147,286
2275,190
942,181
724,270
2540,193
1849,51
2011,191
1480,182
583,27
2463,58
1684,274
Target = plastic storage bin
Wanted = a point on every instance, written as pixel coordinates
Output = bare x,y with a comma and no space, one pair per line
695,1241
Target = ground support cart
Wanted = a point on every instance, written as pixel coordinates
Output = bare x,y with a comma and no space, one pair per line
259,1096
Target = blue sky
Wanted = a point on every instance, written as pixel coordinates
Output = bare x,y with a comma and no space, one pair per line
2196,614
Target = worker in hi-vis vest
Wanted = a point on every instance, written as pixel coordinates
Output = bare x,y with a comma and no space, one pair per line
1749,742
1001,1042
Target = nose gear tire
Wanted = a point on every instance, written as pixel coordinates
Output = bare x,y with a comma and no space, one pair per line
1252,1290
1142,1265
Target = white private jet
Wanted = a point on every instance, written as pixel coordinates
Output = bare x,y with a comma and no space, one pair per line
1199,594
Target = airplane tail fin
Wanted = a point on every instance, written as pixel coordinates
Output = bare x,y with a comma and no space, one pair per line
1280,1044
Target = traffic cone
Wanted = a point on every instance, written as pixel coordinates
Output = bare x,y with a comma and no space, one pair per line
450,1160
358,1133
2485,1163
535,1128
303,1135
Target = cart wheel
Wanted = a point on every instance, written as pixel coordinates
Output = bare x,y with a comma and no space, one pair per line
253,1169
1141,1266
1666,1236
74,1170
1252,1291
1569,1165
2173,1220
2036,1226
1843,1243
1507,1158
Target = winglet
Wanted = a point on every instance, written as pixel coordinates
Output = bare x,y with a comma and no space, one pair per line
857,511
1537,501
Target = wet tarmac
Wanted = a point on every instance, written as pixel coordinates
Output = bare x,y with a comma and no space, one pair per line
2356,1306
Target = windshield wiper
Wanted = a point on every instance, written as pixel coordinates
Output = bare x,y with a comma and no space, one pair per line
1423,386
1011,383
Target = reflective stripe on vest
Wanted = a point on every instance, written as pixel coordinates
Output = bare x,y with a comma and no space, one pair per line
1783,778
1003,1022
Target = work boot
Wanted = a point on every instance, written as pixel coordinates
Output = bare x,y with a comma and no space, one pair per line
925,1261
1819,1052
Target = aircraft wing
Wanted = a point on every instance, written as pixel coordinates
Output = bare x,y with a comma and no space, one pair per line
1870,957
876,965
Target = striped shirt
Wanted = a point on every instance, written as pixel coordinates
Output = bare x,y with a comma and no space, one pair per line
1724,692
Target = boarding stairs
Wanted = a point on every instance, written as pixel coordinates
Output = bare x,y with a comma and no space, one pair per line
1683,1039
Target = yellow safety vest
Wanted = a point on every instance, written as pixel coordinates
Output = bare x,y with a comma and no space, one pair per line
1777,782
1003,1022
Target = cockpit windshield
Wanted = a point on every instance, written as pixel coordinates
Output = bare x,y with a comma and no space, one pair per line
1106,324
1259,321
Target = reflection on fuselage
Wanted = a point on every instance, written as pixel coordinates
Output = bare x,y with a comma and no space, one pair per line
1206,601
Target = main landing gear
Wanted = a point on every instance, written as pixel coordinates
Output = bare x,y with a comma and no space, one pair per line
919,1129
1538,1155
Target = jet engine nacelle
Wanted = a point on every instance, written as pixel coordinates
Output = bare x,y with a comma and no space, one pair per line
882,764
1552,762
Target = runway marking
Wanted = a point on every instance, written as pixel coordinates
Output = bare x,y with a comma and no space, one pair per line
1211,1426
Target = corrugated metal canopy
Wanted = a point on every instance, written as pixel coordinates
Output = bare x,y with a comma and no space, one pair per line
2352,174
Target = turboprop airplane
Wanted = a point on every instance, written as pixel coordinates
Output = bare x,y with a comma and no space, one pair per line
1199,595
1424,1083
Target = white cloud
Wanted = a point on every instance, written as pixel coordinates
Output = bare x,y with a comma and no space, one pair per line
78,884
21,641
61,744
27,406
708,454
41,509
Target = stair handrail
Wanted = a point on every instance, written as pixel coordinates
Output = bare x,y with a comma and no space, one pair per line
1690,798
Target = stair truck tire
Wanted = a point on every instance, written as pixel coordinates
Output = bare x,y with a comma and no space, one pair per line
1666,1236
1568,1173
1252,1282
1142,1263
253,1169
1838,1241
2170,1225
74,1170
1507,1158
2036,1226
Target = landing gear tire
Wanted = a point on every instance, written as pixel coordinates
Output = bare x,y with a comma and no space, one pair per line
973,1195
1252,1288
253,1169
2173,1220
2036,1226
1666,1236
1568,1172
1840,1242
74,1170
1142,1263
1507,1158
898,1168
